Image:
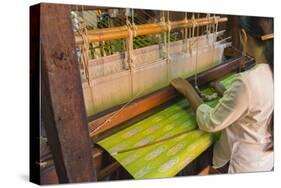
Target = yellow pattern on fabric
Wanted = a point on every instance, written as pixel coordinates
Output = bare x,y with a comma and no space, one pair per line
167,158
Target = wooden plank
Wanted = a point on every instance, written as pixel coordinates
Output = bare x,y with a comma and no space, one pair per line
49,175
108,170
135,108
63,112
157,98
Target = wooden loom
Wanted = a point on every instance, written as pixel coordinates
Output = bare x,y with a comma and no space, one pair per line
67,131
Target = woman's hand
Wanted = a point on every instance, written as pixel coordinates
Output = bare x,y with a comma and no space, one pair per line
218,87
187,90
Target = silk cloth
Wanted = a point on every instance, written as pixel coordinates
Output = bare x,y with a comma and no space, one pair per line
167,158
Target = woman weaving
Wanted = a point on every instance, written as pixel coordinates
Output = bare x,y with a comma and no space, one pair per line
244,112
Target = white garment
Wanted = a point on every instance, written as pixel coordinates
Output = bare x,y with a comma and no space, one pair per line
243,114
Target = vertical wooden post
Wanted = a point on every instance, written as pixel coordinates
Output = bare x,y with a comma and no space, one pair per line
34,141
62,105
233,23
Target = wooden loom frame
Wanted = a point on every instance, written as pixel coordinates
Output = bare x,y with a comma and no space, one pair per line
53,61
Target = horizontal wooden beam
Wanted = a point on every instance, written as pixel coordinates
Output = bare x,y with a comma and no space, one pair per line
122,32
160,97
89,7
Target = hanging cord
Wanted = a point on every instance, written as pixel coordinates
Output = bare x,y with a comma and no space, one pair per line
84,53
84,57
216,21
82,30
109,119
192,30
215,30
189,40
130,48
208,29
130,41
133,25
163,25
207,32
168,45
132,33
202,95
186,32
194,24
84,48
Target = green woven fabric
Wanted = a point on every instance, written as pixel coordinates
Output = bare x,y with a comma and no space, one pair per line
167,158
